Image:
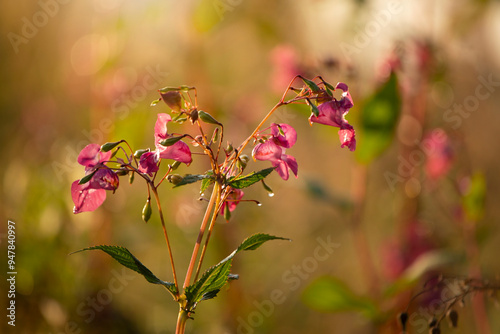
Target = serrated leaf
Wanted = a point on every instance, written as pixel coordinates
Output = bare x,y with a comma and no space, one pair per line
329,294
256,240
191,178
214,278
247,180
126,259
205,183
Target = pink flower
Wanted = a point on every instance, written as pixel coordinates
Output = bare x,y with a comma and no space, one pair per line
439,154
333,113
90,195
285,65
283,136
178,151
148,164
233,199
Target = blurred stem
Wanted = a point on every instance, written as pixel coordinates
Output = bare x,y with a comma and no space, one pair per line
157,198
213,198
359,237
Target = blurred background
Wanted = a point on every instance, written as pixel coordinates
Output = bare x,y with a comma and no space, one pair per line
415,200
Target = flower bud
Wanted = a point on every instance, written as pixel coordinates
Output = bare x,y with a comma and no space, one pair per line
403,318
215,136
131,178
452,316
109,146
193,116
175,179
243,161
138,153
229,148
122,172
175,165
207,118
173,99
171,141
146,211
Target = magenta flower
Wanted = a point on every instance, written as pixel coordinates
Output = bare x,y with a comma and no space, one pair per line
148,164
333,113
283,136
232,200
178,151
90,195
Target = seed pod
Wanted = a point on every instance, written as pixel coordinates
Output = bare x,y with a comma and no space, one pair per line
243,161
109,146
146,211
138,153
175,179
452,316
403,319
207,118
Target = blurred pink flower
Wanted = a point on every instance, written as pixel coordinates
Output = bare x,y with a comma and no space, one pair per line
439,154
333,113
399,254
90,195
283,136
233,199
285,66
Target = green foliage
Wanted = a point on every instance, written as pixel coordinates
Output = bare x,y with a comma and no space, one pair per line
191,178
214,278
378,120
247,180
329,294
474,199
126,259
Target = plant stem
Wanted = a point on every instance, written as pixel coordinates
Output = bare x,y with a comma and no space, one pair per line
181,321
213,198
157,198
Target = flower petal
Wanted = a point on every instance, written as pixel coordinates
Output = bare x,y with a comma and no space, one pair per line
161,127
89,155
347,137
281,168
148,163
291,163
106,179
267,151
284,134
86,198
178,152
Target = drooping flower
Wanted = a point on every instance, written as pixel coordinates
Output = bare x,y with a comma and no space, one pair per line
148,163
90,195
273,149
333,113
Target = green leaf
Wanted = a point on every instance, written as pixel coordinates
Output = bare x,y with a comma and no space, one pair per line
126,259
171,141
246,181
205,183
378,121
329,294
87,178
256,240
109,146
191,178
214,278
314,88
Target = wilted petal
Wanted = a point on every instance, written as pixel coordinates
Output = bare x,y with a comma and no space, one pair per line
178,152
106,179
86,198
284,134
267,151
148,163
347,137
